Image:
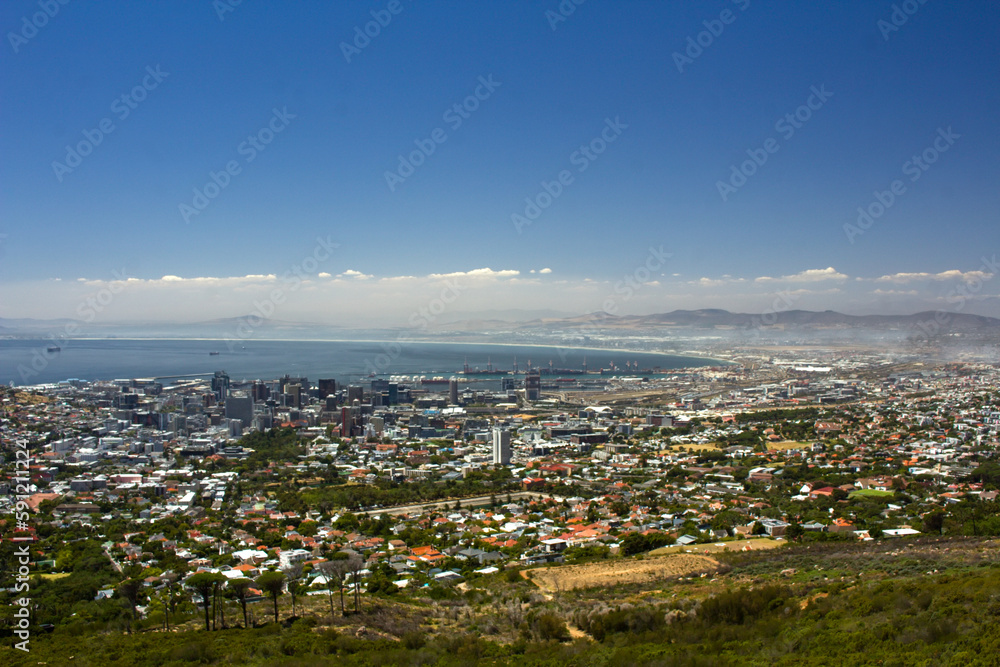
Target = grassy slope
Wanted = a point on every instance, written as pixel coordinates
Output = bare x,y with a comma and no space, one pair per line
921,602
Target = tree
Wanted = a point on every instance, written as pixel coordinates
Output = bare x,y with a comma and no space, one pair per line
934,522
204,584
794,532
355,565
307,528
272,583
336,570
131,590
167,600
240,590
292,574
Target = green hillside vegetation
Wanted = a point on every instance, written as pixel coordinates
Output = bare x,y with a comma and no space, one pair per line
925,601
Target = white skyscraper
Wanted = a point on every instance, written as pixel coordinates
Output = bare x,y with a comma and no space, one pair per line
501,446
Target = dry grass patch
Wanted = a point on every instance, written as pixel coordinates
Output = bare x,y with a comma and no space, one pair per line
621,572
740,545
787,444
696,447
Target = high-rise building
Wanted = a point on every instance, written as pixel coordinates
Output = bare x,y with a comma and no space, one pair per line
346,422
501,447
302,382
260,392
326,388
533,385
295,391
220,385
388,391
355,393
453,391
240,407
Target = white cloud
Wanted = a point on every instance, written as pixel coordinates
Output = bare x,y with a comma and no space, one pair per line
486,273
953,274
807,276
354,298
357,275
716,282
895,292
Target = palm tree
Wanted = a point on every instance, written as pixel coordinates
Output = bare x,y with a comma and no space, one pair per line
272,583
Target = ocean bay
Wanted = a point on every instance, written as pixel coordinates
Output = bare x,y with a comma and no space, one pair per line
35,361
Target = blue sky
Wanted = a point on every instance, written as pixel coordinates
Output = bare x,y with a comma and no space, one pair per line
888,94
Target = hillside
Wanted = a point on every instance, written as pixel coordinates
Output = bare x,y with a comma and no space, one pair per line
923,601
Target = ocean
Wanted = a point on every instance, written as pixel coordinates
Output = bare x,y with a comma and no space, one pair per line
26,362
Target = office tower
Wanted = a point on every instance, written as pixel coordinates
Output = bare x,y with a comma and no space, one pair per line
327,388
239,406
533,385
260,392
346,422
501,446
295,391
453,391
220,385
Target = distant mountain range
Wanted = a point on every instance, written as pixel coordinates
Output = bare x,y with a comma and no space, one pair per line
704,319
713,318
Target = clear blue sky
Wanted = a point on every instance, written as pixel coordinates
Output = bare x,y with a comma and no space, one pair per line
324,174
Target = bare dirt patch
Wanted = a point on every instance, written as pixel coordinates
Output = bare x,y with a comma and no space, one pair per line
621,572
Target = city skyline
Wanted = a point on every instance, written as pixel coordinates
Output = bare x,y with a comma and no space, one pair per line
539,157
